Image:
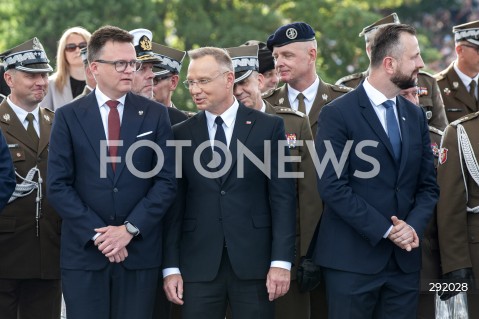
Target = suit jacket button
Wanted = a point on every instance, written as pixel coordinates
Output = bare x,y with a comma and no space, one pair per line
223,193
115,190
397,189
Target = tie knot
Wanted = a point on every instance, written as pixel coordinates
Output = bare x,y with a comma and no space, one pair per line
388,104
300,97
30,117
219,121
112,104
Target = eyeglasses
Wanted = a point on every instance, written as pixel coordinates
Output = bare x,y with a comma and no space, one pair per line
475,48
201,83
121,65
70,47
159,78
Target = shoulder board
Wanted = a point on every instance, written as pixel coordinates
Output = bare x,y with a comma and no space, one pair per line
435,130
426,73
288,110
341,88
48,110
268,93
465,119
440,76
348,78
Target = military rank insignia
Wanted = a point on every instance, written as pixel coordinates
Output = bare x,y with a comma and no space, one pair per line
442,155
447,91
291,140
435,149
422,91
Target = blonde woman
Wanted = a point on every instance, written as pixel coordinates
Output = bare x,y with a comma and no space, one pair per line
69,79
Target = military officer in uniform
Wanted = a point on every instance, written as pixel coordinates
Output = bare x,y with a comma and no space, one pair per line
457,210
266,67
247,90
428,90
458,82
30,228
294,48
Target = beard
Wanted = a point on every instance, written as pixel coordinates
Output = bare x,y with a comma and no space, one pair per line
404,81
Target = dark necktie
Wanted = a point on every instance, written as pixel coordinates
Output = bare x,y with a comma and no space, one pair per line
301,105
473,89
113,128
220,136
31,129
393,129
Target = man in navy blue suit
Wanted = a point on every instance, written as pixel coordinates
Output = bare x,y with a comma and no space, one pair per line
381,192
232,234
111,179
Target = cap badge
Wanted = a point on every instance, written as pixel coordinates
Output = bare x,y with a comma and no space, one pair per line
325,97
447,91
281,100
291,33
291,140
6,117
145,43
455,84
46,117
36,44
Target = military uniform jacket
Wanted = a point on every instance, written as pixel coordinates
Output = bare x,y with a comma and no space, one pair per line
457,217
326,93
429,96
24,255
457,100
309,204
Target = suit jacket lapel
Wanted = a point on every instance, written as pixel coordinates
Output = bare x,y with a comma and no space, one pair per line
404,126
45,121
372,118
199,133
15,126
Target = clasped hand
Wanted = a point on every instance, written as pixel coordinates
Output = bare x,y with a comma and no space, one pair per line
403,235
112,242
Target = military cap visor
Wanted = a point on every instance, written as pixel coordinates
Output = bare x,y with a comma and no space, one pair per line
290,33
168,59
467,32
27,57
390,19
265,56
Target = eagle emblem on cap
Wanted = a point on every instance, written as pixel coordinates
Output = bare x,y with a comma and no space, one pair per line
291,33
6,117
145,43
37,45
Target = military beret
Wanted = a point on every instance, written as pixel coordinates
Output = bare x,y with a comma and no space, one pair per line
390,19
28,57
169,59
467,32
245,60
265,56
289,33
142,42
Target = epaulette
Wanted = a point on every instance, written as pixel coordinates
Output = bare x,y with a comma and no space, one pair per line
347,78
288,110
440,76
465,118
341,88
268,93
48,110
435,130
426,73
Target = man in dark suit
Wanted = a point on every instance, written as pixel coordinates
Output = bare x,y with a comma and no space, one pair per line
111,179
30,228
231,239
378,198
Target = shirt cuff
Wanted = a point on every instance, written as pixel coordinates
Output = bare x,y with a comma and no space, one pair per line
387,233
96,236
281,264
171,271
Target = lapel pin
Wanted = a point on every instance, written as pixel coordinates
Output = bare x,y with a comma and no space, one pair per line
403,118
455,84
447,91
140,112
281,100
46,117
325,97
6,117
248,122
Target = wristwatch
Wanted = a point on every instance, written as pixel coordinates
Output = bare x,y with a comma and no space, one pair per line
131,228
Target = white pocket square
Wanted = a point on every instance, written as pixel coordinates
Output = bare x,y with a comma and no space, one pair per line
145,134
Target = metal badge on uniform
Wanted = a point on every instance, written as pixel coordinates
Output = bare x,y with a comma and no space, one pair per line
325,97
435,149
140,112
46,117
422,91
6,117
291,33
442,155
281,100
447,91
455,84
291,139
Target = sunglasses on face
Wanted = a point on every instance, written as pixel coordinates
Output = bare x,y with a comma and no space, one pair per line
70,47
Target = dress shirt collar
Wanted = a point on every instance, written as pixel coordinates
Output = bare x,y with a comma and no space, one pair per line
309,93
228,116
466,80
375,96
101,98
21,113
